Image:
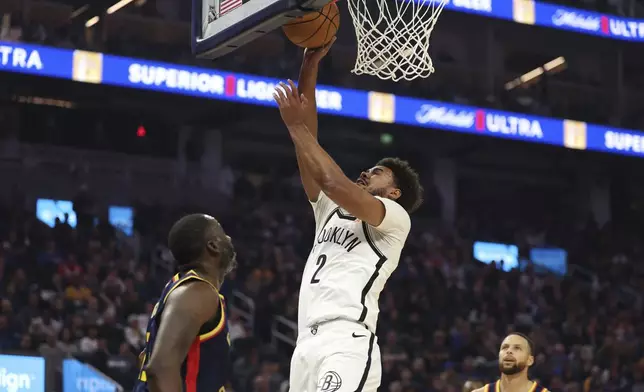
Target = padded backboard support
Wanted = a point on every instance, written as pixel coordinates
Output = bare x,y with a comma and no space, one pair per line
215,35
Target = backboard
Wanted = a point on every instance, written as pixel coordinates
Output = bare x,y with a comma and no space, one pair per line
221,26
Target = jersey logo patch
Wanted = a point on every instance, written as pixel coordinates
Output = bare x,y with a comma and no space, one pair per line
330,382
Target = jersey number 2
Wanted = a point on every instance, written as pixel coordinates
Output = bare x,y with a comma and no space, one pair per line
320,264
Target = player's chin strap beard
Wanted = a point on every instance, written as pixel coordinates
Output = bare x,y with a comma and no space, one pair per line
227,260
379,192
228,257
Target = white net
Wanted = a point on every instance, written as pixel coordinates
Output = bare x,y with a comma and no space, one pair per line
393,37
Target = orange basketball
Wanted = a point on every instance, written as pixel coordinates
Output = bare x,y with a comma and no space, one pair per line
316,29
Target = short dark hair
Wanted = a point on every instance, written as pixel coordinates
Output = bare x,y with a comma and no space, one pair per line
530,342
407,180
187,238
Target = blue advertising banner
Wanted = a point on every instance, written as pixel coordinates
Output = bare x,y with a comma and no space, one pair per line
22,374
89,67
490,252
78,377
550,259
555,17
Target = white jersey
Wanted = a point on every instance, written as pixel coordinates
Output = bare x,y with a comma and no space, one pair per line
349,264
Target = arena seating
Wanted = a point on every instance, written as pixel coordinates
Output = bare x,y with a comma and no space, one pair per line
84,292
87,292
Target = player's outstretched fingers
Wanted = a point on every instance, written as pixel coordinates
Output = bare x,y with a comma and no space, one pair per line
288,94
305,102
294,93
281,92
325,49
278,99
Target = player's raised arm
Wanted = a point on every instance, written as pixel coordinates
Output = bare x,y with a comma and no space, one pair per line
322,168
306,83
187,308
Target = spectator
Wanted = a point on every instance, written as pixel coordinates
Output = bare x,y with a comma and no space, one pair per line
89,343
77,291
70,269
133,334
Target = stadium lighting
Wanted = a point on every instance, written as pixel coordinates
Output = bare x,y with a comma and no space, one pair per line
79,11
552,66
92,21
117,6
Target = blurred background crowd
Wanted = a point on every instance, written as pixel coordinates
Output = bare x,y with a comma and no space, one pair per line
87,292
74,282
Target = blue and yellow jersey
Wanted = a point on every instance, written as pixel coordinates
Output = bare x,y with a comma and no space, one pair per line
496,387
207,365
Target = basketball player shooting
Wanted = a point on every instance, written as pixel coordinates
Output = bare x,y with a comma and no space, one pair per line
516,355
361,228
187,347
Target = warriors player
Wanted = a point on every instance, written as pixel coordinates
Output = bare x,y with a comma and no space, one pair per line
186,343
515,358
361,228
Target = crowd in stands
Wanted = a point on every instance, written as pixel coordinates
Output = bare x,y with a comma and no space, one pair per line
87,292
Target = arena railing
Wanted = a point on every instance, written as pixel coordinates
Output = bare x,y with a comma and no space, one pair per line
629,293
244,306
283,330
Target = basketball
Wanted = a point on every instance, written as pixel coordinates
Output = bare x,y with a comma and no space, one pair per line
316,29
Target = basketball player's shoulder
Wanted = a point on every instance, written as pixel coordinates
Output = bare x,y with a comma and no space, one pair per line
322,205
482,389
396,220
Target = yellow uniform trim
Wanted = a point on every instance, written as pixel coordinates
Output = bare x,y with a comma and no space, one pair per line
497,387
190,275
142,376
177,281
220,325
222,320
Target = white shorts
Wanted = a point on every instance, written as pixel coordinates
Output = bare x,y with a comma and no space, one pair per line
336,356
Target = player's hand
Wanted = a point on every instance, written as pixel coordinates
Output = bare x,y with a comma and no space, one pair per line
313,56
291,103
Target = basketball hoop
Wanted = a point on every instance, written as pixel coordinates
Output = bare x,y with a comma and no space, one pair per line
393,40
